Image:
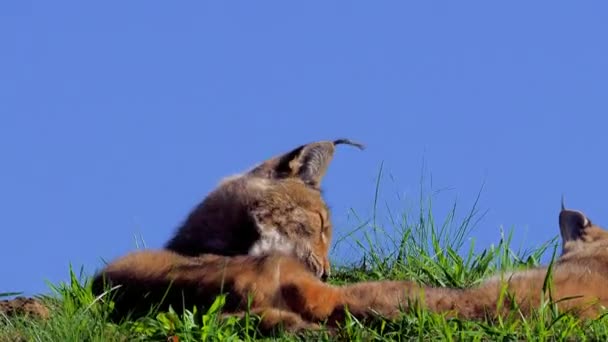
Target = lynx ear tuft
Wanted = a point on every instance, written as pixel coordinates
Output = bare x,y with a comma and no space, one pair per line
349,142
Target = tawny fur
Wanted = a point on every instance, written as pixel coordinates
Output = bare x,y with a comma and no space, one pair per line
285,290
276,206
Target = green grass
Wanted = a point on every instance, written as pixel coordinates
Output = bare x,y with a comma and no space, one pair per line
415,248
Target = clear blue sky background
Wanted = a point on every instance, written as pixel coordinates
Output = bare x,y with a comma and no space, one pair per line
117,117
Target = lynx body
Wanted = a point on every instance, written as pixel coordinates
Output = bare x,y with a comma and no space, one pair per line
284,290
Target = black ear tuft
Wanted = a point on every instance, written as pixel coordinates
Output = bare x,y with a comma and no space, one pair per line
349,142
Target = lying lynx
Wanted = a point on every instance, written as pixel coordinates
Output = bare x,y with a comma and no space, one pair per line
275,206
283,290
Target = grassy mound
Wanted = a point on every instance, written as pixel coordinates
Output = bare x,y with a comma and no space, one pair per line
417,249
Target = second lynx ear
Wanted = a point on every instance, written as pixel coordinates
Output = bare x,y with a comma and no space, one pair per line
308,162
572,224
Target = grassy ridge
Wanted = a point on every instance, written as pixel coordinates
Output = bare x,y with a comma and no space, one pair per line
418,249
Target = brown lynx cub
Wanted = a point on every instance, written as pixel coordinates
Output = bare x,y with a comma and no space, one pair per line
275,206
284,290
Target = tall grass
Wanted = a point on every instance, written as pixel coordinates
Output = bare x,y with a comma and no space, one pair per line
412,245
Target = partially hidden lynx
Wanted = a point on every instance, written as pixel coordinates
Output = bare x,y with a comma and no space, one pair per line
284,291
275,206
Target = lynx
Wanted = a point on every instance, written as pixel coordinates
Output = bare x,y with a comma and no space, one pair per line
275,206
284,291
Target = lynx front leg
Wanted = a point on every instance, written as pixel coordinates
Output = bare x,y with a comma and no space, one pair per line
319,302
297,290
314,300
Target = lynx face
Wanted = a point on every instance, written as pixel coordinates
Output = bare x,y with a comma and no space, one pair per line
276,207
298,224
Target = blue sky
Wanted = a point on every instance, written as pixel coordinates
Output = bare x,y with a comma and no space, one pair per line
116,118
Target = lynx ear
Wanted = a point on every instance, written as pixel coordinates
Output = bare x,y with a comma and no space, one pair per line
572,224
307,162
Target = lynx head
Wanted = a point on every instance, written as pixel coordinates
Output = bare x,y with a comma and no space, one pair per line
294,217
276,207
580,236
